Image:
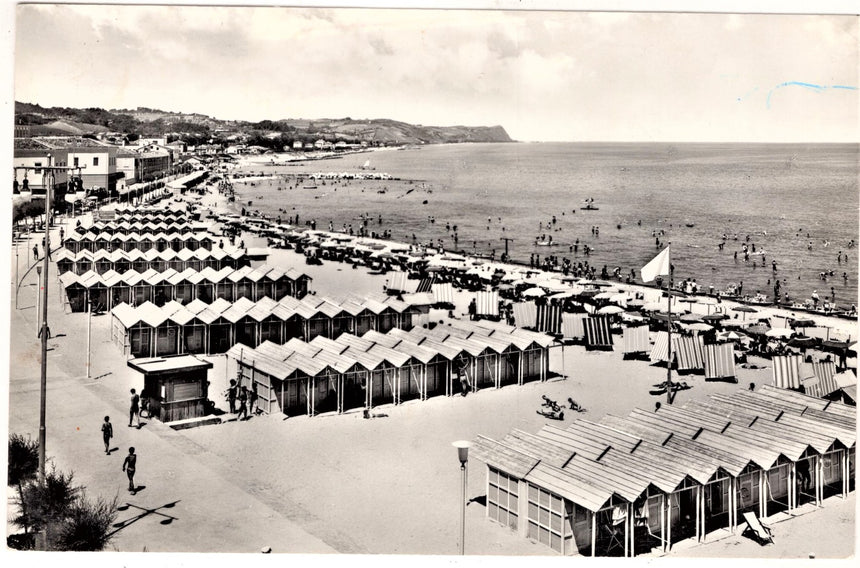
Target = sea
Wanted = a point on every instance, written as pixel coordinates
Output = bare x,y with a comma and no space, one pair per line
797,203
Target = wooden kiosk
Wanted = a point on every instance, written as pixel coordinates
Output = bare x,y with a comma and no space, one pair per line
176,386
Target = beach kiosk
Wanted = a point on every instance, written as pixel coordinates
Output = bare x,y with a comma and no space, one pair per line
177,386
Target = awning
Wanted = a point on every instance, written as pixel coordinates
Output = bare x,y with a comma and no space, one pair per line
443,293
487,303
635,339
786,371
548,318
825,383
719,361
525,314
572,326
397,282
597,332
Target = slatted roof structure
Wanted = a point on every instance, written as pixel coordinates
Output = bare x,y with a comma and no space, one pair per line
588,462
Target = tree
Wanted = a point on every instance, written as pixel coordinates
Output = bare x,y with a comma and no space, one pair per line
23,459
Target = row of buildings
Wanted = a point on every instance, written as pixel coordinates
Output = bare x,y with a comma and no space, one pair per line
103,166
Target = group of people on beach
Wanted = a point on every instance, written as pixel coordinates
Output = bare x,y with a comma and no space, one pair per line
246,399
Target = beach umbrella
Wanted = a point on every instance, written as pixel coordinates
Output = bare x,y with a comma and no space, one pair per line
779,332
603,296
635,303
619,297
633,317
610,310
652,306
699,326
729,336
746,310
803,322
663,316
534,293
552,285
757,330
714,317
802,342
690,318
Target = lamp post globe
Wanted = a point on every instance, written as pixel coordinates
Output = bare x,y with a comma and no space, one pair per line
463,455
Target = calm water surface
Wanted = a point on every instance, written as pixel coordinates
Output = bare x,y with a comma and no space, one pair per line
775,193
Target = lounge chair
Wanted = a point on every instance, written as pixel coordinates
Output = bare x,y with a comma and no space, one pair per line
759,531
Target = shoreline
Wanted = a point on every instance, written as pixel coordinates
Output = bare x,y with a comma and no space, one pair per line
651,293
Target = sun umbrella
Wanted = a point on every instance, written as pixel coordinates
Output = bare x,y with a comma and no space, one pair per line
714,317
690,318
757,330
746,310
610,310
698,326
780,332
728,336
603,296
802,342
803,322
533,293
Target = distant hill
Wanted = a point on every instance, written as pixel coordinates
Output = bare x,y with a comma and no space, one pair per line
395,132
199,127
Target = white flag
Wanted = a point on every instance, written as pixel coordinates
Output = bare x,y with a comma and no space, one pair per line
659,266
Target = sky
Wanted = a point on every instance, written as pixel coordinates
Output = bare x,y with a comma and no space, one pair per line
542,75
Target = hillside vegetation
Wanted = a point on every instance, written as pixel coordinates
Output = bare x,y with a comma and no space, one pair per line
195,128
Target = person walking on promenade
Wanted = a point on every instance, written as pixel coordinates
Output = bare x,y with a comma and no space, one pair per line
134,409
243,403
231,395
129,466
252,398
35,252
107,434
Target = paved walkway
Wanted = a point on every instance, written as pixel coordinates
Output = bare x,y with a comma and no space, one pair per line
195,505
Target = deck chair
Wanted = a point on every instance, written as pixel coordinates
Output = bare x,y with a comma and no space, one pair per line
613,535
758,530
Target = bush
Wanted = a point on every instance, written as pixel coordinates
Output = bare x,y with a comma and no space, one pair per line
55,505
88,526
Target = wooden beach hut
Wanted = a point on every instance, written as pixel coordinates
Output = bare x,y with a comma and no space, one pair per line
177,387
220,330
245,330
183,290
120,260
75,292
65,259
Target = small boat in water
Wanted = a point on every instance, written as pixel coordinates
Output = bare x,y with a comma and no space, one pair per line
589,205
309,187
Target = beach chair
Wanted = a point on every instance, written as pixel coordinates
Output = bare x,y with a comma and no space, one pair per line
759,530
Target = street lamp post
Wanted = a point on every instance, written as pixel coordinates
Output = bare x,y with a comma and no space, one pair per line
38,299
463,455
43,371
89,330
